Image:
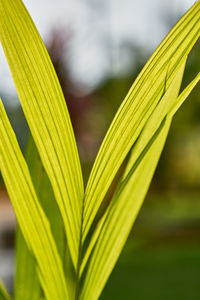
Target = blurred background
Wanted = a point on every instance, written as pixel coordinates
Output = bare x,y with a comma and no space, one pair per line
98,48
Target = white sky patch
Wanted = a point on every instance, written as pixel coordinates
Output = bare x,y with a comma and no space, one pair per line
97,26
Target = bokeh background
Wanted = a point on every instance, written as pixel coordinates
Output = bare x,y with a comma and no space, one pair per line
98,48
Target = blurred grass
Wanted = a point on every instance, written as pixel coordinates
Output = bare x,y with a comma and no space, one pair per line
167,272
161,259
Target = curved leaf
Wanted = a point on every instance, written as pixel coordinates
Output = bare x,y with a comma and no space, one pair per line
140,102
3,293
26,281
45,109
127,201
32,220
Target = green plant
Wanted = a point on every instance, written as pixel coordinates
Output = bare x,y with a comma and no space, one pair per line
70,239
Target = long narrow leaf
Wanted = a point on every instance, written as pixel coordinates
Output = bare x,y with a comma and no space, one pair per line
45,194
32,220
138,105
183,96
45,110
26,284
164,106
153,124
109,246
129,198
50,207
3,293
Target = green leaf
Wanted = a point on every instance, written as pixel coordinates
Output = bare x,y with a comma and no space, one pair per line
165,105
183,96
3,293
140,102
46,196
153,124
45,110
120,218
123,209
26,284
117,222
92,242
49,205
32,220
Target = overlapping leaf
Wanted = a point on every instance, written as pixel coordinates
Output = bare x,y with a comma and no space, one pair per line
129,197
137,107
3,293
32,220
46,113
151,127
27,285
139,128
101,264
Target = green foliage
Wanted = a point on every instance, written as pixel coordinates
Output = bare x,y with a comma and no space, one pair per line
69,240
3,293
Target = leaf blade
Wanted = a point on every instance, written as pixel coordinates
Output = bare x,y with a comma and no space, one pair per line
137,107
129,197
46,112
118,216
27,285
26,282
3,292
185,93
32,220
